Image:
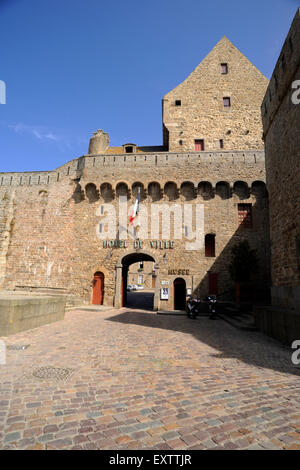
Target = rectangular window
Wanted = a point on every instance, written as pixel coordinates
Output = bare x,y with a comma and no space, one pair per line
102,210
100,228
298,251
224,68
199,145
245,215
210,246
186,231
226,101
178,103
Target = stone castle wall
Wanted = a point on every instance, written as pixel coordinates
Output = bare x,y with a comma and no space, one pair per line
51,240
281,121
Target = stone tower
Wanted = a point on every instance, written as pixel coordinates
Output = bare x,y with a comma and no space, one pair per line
99,143
217,106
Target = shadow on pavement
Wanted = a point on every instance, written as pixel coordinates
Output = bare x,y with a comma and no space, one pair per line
251,347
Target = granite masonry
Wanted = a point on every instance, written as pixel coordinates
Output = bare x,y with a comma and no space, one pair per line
281,123
52,223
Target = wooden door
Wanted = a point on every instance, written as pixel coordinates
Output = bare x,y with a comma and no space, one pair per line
213,283
98,289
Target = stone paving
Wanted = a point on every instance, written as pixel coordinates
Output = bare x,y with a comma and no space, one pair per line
132,379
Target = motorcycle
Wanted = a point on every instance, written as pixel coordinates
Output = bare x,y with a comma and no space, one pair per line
193,307
212,306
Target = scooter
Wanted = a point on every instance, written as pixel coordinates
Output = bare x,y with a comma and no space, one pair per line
193,307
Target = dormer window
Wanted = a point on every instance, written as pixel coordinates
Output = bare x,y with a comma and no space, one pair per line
129,148
224,68
177,102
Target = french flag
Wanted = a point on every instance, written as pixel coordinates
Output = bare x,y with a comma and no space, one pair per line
136,207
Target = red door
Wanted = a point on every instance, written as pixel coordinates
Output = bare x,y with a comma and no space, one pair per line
213,283
98,288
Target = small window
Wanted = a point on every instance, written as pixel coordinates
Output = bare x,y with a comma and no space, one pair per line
298,251
224,68
210,243
245,215
102,210
221,144
186,231
180,142
199,145
141,264
177,102
100,228
129,149
226,101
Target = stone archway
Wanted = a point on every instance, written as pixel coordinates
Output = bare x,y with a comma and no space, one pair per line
121,276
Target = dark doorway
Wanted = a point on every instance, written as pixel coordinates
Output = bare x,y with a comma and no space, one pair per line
98,288
213,283
136,299
179,292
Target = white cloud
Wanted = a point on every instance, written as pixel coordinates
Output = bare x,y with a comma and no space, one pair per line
40,132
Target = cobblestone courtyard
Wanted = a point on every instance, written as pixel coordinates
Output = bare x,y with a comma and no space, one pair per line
133,379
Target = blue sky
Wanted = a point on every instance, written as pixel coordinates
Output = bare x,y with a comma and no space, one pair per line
74,66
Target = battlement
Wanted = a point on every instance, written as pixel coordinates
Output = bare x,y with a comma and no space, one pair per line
247,157
75,168
285,72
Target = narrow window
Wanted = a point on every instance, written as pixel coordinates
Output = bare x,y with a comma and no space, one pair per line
224,68
100,228
245,215
221,144
199,145
129,149
178,103
226,101
102,210
210,245
141,264
186,231
298,251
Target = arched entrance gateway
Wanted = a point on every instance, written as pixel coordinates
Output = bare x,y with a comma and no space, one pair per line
98,288
142,299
